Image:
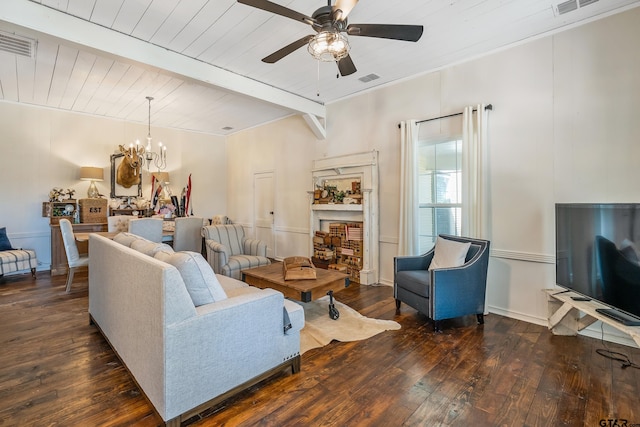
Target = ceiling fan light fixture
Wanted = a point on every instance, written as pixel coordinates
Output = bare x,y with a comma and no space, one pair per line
329,46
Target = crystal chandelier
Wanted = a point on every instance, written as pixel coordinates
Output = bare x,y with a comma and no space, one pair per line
328,46
159,158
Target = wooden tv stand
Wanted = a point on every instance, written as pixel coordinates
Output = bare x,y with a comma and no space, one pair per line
564,315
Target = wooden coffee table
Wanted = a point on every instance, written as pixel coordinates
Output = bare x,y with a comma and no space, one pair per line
271,276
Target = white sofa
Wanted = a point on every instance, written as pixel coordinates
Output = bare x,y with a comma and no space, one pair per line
186,358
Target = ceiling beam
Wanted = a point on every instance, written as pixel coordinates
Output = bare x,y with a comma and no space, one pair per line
66,27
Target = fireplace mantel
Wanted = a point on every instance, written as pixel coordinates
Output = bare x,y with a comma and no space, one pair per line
365,167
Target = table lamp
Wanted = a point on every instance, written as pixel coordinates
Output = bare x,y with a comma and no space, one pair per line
88,173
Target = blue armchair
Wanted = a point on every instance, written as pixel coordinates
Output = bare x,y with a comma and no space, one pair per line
444,293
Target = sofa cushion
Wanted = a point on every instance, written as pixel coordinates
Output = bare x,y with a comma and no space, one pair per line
199,279
416,281
163,255
449,253
150,248
5,244
126,238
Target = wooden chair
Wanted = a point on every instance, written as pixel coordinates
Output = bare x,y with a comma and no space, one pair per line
187,235
71,249
149,228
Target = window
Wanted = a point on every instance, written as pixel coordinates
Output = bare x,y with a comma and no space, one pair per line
439,190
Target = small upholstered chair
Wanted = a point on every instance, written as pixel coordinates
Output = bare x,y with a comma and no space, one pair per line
229,251
187,235
149,228
12,259
444,292
118,223
73,257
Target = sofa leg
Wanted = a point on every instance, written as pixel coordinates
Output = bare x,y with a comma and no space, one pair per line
295,365
480,319
33,273
398,302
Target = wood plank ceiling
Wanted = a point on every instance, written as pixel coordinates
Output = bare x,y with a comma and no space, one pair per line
200,59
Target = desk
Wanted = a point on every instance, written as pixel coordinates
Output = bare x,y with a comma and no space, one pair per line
84,237
167,236
58,256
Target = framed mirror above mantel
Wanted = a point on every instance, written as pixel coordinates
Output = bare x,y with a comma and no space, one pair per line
339,174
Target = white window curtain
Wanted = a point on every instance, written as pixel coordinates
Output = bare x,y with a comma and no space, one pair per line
408,242
474,172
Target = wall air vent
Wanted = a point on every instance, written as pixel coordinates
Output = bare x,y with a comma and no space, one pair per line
567,6
571,5
17,45
368,78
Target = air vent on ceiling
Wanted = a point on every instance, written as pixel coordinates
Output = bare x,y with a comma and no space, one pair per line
368,78
17,45
227,128
571,5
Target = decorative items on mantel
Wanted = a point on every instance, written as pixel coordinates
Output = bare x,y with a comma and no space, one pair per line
345,215
338,191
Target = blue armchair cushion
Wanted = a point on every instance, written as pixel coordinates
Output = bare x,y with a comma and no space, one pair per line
449,254
5,244
416,281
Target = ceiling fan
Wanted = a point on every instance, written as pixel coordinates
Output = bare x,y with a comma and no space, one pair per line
329,22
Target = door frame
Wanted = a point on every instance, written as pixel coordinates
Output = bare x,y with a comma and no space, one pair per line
257,175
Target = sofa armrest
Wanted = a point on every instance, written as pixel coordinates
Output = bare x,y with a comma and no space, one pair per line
227,343
217,255
254,247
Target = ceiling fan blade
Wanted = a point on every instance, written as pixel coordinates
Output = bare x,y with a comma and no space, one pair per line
279,54
346,66
411,33
279,10
342,8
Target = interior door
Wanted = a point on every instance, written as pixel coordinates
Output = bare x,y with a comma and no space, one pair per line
263,185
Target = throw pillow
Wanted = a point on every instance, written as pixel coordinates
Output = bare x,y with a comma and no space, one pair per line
126,238
150,248
449,253
200,280
5,244
163,255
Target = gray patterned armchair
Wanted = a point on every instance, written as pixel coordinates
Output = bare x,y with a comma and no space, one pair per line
229,251
444,293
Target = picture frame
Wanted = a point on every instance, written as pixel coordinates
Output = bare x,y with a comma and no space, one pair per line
116,189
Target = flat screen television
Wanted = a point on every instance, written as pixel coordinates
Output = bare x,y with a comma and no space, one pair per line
598,255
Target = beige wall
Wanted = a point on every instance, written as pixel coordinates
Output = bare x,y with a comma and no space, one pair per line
44,148
562,129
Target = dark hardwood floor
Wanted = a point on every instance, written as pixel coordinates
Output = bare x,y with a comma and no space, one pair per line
56,369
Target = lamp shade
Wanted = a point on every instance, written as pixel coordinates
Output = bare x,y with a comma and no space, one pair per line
88,173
